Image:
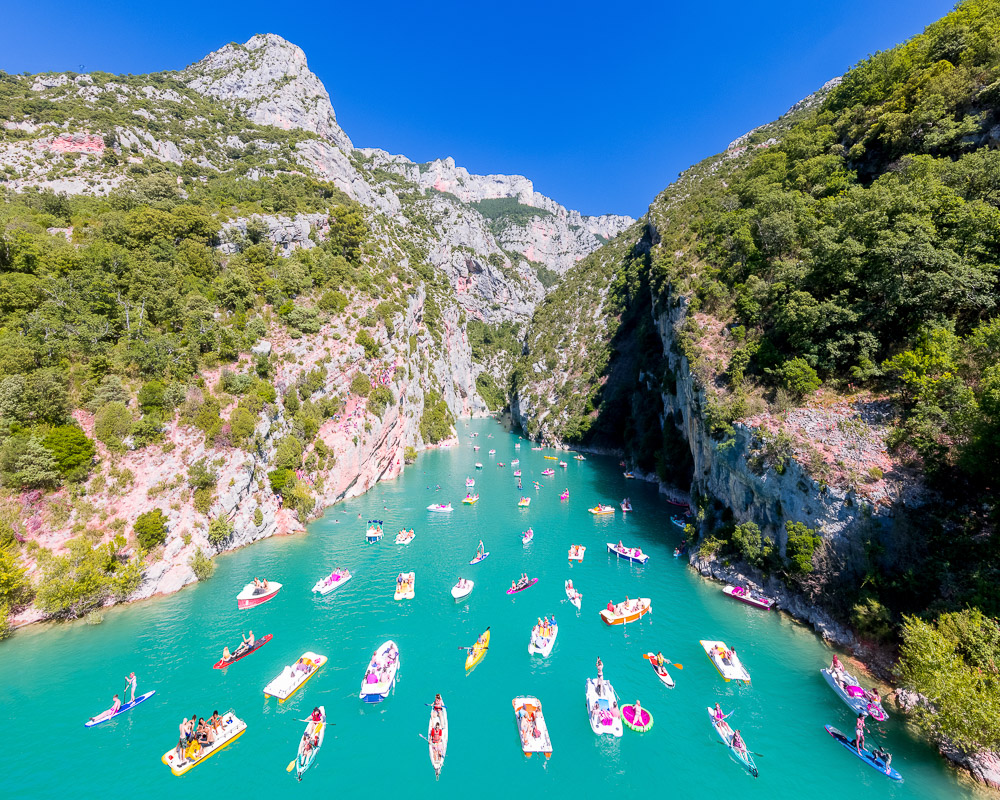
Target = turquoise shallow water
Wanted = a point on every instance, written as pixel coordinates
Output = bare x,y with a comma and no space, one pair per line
55,677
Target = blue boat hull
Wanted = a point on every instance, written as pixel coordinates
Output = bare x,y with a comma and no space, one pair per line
865,755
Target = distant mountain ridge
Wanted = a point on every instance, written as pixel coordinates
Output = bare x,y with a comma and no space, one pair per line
493,267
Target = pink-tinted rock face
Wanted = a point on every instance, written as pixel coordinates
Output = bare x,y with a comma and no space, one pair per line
76,143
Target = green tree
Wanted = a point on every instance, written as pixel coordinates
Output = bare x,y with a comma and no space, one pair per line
112,423
25,463
360,385
798,377
953,664
747,541
72,450
348,232
219,531
801,544
151,529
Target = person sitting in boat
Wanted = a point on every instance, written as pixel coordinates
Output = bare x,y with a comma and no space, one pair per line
204,733
307,744
873,697
437,735
513,586
302,666
620,545
569,585
258,587
226,655
215,720
438,703
717,715
737,742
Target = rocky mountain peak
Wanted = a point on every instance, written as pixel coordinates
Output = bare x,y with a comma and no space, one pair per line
269,76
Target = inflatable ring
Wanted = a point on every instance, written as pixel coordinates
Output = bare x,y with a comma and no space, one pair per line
643,724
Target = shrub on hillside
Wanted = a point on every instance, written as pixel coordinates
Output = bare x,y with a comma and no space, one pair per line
380,399
360,385
112,423
202,566
800,547
219,531
151,529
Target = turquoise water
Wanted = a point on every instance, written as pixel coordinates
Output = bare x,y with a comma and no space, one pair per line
55,677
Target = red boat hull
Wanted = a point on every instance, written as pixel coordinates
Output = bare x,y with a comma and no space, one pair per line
250,602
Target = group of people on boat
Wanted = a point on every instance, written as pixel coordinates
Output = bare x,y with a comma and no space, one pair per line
196,735
521,582
244,646
724,655
543,629
627,551
404,582
380,667
260,586
681,549
847,681
736,742
310,739
116,701
625,607
437,733
527,724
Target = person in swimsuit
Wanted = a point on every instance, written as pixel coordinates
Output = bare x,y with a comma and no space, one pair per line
226,655
480,550
600,667
437,736
859,733
717,714
738,742
130,682
115,704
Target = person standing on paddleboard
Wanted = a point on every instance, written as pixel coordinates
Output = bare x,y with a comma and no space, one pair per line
130,682
859,733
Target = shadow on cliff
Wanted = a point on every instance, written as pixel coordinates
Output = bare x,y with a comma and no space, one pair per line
628,407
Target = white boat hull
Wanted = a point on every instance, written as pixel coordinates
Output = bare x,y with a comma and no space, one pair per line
606,719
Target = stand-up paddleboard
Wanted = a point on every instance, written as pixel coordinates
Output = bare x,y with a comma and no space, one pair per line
104,716
477,559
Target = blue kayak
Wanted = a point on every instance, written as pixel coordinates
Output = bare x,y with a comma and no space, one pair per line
104,716
867,756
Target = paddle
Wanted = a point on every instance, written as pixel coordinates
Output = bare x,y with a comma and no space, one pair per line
665,661
431,705
291,765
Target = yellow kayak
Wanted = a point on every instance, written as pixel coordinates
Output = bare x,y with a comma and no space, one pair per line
478,650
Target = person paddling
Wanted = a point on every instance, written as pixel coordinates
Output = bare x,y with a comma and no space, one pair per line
859,733
717,714
130,682
480,550
738,742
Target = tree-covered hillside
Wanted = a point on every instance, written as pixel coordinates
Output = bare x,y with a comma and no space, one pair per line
849,250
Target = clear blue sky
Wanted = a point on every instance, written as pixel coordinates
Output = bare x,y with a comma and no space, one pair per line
600,104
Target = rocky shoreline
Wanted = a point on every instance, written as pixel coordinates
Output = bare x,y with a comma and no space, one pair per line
983,767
